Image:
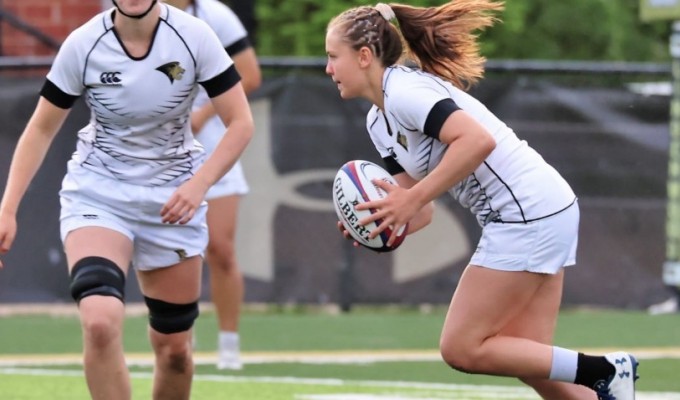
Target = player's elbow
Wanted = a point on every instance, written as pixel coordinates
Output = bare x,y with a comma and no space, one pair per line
249,129
487,144
252,85
252,80
243,127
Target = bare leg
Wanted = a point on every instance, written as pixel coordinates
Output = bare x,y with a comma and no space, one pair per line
101,317
486,309
226,281
174,368
538,322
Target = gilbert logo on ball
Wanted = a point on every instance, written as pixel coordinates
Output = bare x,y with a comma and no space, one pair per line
353,185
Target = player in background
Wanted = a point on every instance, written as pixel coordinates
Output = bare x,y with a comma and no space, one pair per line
436,138
226,280
246,12
134,191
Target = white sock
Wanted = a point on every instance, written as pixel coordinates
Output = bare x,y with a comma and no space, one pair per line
229,340
564,363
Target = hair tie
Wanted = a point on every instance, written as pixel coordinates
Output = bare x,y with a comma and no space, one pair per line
386,11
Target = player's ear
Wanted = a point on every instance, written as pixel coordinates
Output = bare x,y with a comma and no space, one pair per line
365,57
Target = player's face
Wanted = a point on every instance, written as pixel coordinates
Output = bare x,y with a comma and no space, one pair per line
342,65
134,7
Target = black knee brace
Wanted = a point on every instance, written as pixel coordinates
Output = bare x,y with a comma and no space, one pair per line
97,276
169,317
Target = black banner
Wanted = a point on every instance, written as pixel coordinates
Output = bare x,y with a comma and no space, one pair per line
610,143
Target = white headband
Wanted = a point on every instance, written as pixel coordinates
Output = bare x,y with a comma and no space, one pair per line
386,11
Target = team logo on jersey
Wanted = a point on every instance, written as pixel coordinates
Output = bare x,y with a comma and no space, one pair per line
402,140
110,78
172,70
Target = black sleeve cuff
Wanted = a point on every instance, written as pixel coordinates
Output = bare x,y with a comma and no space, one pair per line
222,82
56,96
392,166
438,115
238,46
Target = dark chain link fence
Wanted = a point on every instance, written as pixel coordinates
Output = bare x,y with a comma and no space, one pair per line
604,128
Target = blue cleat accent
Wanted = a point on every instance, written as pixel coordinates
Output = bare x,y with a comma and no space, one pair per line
621,385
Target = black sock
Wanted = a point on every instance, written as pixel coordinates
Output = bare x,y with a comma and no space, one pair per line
591,369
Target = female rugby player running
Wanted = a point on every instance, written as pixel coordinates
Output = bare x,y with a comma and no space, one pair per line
436,138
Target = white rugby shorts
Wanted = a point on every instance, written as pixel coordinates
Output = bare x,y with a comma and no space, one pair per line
234,181
542,246
91,199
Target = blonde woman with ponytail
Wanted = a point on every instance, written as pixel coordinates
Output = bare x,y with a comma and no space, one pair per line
436,138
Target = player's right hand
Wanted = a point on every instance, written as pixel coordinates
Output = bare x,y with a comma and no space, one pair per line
8,230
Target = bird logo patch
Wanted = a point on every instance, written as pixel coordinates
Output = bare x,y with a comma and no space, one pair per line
172,70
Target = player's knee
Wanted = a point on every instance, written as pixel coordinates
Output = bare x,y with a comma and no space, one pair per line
174,356
100,331
170,318
534,382
222,254
457,355
180,363
99,276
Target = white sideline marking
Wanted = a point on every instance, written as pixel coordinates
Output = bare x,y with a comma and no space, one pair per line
207,358
306,357
479,391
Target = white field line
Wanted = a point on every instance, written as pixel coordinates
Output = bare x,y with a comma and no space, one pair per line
307,357
446,390
201,358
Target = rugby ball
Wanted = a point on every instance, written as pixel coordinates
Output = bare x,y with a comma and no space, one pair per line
353,185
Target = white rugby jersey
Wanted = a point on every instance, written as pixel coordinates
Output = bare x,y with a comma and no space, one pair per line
513,185
139,129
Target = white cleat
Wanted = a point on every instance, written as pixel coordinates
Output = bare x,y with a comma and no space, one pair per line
229,359
621,385
669,306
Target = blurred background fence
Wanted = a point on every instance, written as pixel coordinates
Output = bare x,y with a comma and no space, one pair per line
603,125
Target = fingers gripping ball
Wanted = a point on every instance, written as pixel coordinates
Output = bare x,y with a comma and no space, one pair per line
353,185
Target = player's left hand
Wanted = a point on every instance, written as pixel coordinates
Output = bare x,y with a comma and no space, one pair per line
346,234
184,202
8,231
394,211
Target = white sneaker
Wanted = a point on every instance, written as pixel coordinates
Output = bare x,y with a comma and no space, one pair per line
621,385
229,359
669,306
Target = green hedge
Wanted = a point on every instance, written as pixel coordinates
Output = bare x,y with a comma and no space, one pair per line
531,29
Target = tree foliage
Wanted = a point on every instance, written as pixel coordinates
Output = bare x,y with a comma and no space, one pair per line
530,29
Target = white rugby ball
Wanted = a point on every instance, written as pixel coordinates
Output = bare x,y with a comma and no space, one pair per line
353,185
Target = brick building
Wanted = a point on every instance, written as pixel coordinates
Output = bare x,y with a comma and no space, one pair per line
54,18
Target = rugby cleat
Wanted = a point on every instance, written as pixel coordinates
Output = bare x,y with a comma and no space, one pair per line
229,359
621,385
